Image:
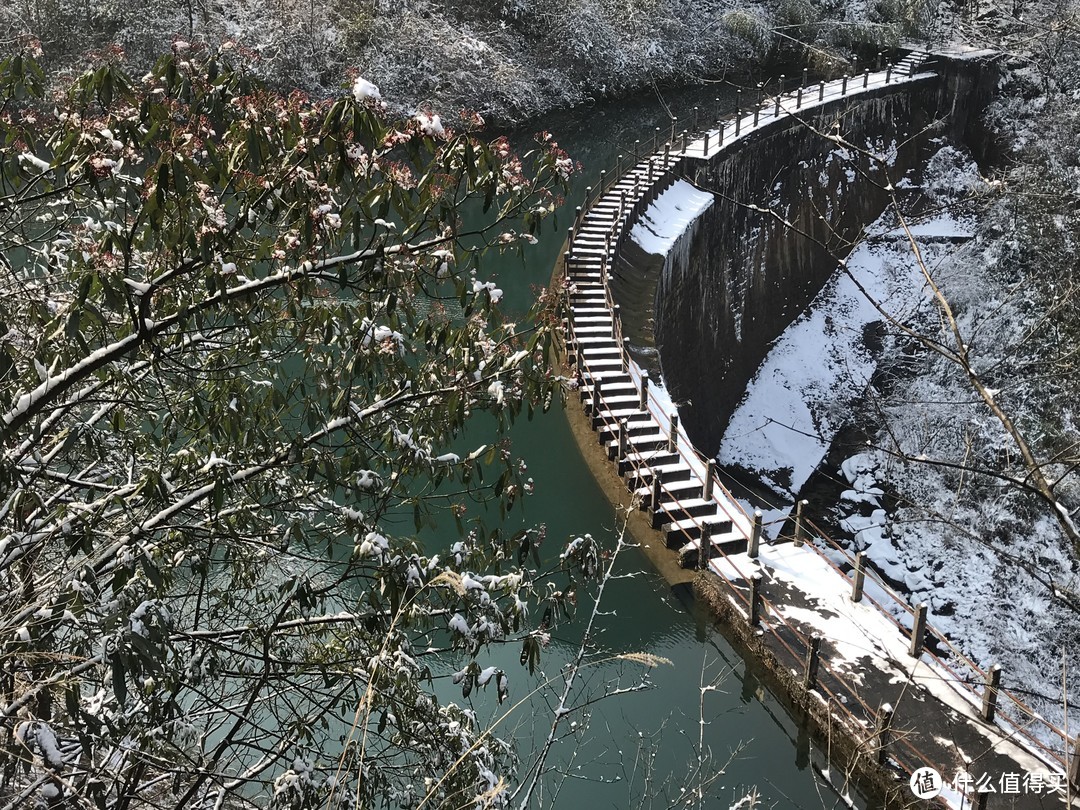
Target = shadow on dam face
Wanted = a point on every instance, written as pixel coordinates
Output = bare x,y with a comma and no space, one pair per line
790,201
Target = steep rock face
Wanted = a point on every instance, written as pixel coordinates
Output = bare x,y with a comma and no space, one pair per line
790,201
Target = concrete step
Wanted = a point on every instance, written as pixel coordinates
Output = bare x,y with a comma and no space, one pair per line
591,344
589,298
591,332
623,413
690,529
608,424
605,364
726,544
585,271
617,400
669,466
641,427
593,364
613,376
652,440
600,360
687,488
613,386
603,349
585,289
672,510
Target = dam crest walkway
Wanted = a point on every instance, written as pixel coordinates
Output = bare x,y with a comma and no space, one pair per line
868,664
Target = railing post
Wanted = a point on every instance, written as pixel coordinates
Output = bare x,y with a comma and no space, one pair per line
643,402
674,123
755,537
615,322
799,522
595,399
622,205
673,434
705,546
760,93
813,656
843,85
624,439
710,467
720,137
667,153
821,91
911,68
738,103
798,99
780,92
695,127
918,630
683,150
866,78
637,152
990,694
858,577
651,167
738,123
655,139
884,724
705,149
603,182
877,65
805,78
888,73
1074,764
626,351
618,167
656,485
757,114
755,599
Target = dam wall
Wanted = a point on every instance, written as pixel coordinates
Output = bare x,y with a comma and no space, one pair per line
790,200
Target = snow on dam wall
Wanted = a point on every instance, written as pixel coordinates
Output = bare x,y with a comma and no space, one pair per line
735,280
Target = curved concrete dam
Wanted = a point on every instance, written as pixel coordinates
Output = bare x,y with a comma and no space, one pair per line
788,200
761,213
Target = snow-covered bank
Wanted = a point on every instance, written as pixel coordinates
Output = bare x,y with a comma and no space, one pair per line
511,61
803,392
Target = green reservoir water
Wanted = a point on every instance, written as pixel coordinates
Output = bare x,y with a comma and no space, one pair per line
646,742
